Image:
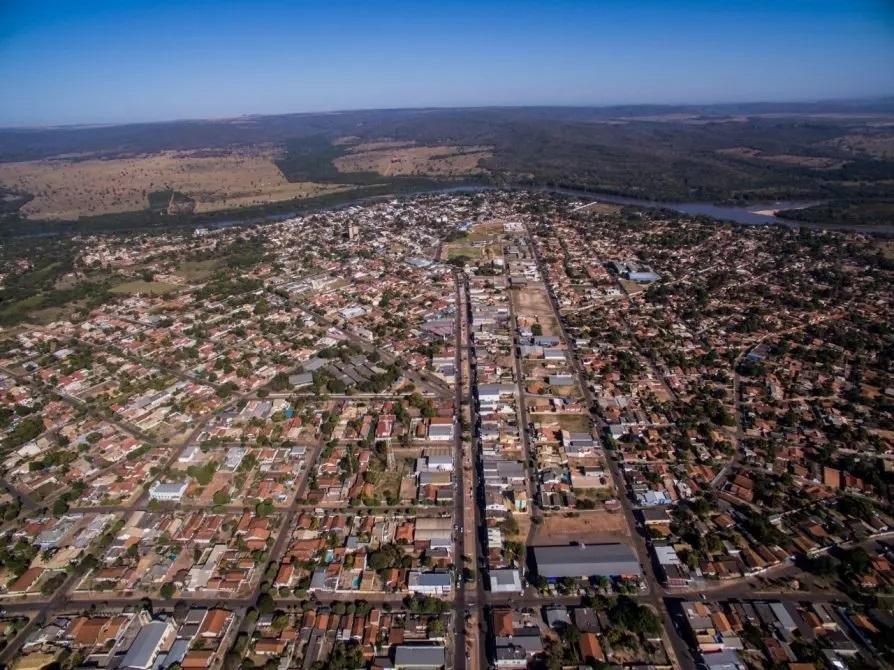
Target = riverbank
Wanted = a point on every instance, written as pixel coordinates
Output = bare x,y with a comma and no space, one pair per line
758,213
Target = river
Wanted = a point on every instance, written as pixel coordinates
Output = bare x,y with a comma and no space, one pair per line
753,214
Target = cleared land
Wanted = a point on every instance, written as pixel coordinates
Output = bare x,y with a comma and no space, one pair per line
392,159
878,143
575,423
148,287
533,304
816,162
595,526
65,189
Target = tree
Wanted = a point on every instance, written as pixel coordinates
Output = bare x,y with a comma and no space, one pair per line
264,508
167,590
60,507
628,614
265,604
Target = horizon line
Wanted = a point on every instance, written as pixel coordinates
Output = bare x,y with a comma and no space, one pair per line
882,97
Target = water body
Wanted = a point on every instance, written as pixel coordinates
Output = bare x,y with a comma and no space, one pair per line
758,213
752,214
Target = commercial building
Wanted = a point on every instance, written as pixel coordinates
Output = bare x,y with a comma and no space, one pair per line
430,583
167,491
419,657
505,581
583,561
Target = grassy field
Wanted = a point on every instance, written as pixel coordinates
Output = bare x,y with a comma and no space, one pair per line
66,189
463,248
139,286
196,271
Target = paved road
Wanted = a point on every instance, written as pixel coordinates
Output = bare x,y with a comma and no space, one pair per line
677,648
459,496
476,536
522,408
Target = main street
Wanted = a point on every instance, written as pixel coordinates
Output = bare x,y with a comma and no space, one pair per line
471,528
459,496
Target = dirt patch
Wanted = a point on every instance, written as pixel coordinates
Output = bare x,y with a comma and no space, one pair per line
67,189
391,161
586,526
486,231
532,306
574,423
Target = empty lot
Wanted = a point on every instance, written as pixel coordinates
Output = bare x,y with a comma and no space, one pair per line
588,526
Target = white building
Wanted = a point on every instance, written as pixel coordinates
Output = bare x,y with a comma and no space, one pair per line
505,581
167,491
430,583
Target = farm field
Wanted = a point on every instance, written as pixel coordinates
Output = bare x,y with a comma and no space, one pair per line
389,160
66,189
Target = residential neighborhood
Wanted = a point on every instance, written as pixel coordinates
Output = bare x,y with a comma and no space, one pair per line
498,429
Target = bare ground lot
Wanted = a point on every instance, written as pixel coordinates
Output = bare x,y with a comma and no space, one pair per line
67,189
588,526
533,304
391,159
574,423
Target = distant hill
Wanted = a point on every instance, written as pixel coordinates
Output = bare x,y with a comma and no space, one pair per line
837,150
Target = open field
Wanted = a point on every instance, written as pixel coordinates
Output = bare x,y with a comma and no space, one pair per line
148,287
486,231
391,161
197,270
575,423
815,162
463,248
66,189
533,304
586,526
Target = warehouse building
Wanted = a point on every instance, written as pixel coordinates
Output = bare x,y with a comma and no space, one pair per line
582,561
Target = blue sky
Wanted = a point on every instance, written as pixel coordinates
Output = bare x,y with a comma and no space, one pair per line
118,61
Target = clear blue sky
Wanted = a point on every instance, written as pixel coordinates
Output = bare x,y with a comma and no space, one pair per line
117,61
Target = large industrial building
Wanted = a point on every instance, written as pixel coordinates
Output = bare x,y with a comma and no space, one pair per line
586,560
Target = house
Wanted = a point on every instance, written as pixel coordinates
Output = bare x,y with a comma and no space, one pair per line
590,648
153,638
490,393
